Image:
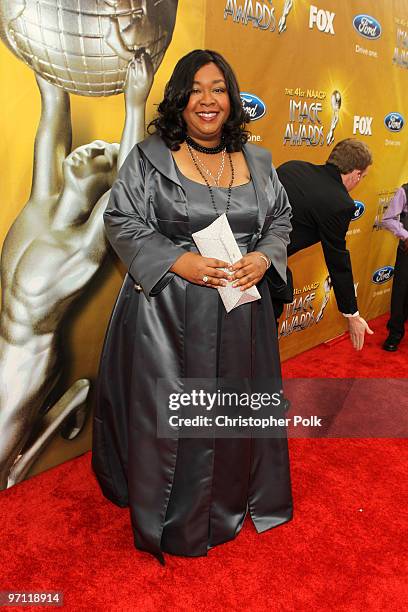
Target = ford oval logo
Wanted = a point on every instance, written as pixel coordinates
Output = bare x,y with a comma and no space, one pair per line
394,122
367,26
253,106
382,275
360,210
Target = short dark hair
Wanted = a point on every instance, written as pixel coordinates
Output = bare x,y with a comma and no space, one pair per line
350,154
169,123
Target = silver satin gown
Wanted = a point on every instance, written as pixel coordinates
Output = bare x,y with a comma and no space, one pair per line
188,495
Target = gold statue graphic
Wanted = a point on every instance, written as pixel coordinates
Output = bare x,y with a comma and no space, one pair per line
335,104
57,243
285,12
53,248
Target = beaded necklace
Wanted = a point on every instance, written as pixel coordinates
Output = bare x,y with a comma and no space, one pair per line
190,150
202,149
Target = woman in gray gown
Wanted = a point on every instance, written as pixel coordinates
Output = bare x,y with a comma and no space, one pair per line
186,495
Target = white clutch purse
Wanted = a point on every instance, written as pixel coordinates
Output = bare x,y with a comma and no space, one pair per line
217,240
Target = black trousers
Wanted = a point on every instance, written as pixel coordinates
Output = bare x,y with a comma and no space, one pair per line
399,295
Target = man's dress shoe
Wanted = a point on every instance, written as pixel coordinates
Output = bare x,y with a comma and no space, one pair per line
391,344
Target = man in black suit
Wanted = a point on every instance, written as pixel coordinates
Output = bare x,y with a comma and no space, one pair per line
322,210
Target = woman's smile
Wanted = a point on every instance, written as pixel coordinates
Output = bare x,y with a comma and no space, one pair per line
207,116
208,107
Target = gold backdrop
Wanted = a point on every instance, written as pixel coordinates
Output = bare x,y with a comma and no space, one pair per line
360,49
289,56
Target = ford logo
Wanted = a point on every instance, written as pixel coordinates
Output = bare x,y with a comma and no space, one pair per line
360,210
253,106
382,275
367,26
394,122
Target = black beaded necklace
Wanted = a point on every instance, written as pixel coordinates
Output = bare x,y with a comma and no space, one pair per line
208,184
202,149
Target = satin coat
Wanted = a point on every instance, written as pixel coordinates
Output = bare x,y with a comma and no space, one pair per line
152,333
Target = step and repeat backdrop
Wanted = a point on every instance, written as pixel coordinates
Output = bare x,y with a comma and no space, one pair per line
311,74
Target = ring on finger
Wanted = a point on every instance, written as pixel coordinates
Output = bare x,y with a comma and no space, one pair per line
205,279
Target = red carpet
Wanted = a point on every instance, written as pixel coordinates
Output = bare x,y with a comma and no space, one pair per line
344,550
339,359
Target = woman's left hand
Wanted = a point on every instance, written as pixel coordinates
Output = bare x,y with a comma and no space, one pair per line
248,271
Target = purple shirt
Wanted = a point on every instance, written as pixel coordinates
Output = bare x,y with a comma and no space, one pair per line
391,219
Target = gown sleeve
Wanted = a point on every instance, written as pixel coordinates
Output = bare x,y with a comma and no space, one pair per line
147,253
274,242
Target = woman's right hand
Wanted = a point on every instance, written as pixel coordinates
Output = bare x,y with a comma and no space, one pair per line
193,267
